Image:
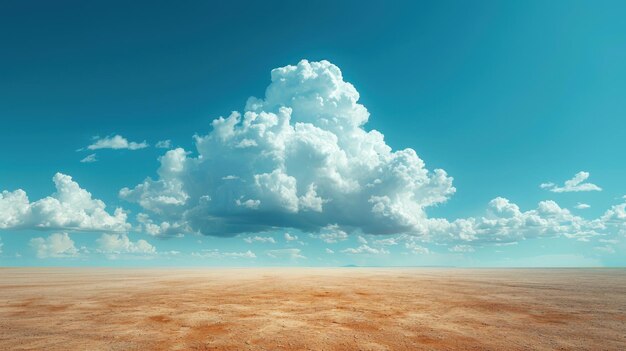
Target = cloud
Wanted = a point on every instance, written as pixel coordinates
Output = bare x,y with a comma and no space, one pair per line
505,222
70,207
605,249
416,249
163,144
582,206
89,159
329,251
361,240
260,239
285,253
116,142
215,253
331,234
57,245
114,245
573,185
387,241
290,237
461,248
163,229
365,249
303,159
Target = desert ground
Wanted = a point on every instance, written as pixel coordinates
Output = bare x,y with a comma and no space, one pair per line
312,309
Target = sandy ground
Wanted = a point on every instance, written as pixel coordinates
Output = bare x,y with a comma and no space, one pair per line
312,309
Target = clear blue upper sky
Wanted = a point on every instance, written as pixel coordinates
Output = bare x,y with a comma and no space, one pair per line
503,96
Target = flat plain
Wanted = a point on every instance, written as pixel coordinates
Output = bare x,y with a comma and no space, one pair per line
312,309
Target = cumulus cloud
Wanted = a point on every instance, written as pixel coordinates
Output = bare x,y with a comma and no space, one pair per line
70,207
163,229
163,144
89,159
300,157
285,253
573,185
331,234
57,245
116,142
290,237
365,249
215,253
582,206
259,239
505,222
114,245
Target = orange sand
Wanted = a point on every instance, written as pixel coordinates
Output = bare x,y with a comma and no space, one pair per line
312,309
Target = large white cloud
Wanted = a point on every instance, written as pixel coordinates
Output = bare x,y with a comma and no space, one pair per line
70,207
300,157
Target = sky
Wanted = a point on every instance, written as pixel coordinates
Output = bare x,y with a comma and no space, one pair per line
323,133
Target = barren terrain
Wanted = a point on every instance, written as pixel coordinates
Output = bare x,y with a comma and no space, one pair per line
312,309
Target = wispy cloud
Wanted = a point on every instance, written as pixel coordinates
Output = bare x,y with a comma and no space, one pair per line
89,159
259,239
577,183
116,142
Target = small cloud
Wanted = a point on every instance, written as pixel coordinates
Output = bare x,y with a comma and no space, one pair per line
285,253
331,234
230,177
89,159
609,241
416,249
605,249
365,249
387,242
116,142
214,253
461,248
290,237
164,144
329,251
260,239
114,245
582,206
573,185
250,203
361,240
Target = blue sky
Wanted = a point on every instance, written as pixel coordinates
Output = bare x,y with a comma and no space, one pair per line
503,96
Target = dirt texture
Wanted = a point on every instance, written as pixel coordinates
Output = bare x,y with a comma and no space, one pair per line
312,309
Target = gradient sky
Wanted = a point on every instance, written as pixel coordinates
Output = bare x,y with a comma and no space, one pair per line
503,96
